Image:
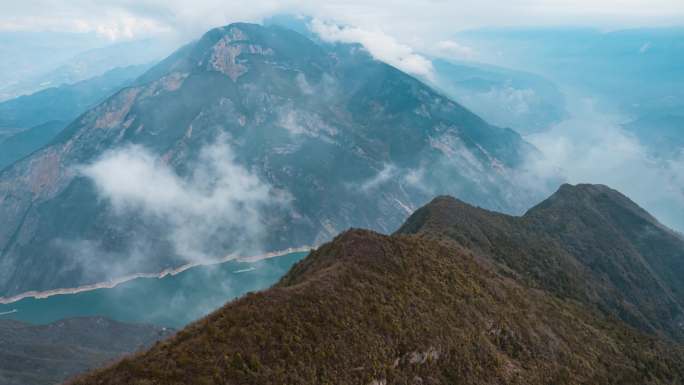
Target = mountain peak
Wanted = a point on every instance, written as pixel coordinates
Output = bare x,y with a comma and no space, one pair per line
235,48
233,32
585,189
587,242
351,246
441,213
592,199
583,193
225,45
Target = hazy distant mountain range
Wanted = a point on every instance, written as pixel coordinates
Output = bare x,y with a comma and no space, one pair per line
24,54
523,101
31,121
73,58
638,68
67,101
637,72
313,138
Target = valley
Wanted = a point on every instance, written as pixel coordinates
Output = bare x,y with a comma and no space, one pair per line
171,300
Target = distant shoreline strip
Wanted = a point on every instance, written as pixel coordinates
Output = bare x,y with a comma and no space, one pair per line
166,272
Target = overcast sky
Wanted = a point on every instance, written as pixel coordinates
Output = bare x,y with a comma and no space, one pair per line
404,19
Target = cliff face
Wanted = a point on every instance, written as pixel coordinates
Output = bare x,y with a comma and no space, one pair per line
440,305
343,139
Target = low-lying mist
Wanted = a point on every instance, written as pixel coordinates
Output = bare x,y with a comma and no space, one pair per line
217,206
592,147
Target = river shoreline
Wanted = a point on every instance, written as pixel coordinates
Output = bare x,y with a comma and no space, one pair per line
166,272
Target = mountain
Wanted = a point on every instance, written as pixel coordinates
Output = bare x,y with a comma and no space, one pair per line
17,145
86,59
37,118
65,102
24,54
49,354
505,97
427,305
638,69
302,140
523,101
587,243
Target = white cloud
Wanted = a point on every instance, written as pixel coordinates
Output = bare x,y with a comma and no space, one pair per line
412,178
303,84
591,147
382,46
112,24
218,196
302,122
453,50
500,105
383,176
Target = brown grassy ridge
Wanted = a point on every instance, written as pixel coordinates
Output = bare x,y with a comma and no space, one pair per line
403,309
587,243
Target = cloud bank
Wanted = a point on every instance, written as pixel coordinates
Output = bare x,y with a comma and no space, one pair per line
453,50
219,197
592,147
382,46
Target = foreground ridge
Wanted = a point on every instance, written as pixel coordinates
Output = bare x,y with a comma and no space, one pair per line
420,308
